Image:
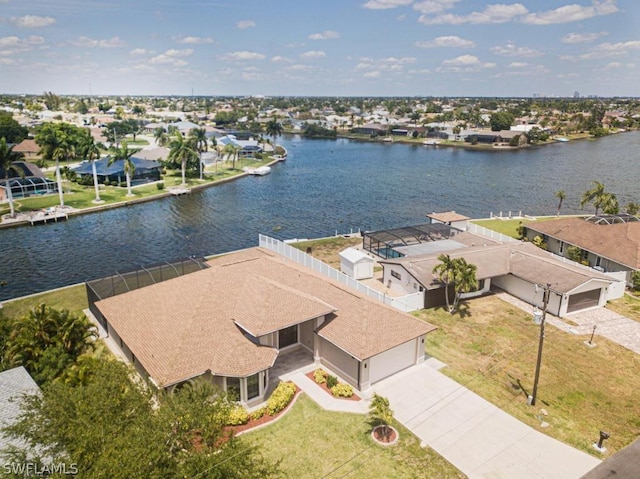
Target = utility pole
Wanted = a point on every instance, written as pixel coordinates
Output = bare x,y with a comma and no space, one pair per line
545,300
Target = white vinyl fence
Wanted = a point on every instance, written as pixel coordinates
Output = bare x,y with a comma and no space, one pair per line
410,302
494,235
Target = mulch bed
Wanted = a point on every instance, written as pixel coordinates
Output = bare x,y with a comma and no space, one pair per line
323,386
380,437
263,420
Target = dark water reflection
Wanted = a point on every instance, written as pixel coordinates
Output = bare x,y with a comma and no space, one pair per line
324,187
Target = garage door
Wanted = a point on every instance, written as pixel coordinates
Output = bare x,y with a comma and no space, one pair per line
387,363
588,299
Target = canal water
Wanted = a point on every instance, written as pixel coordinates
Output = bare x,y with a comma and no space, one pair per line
326,186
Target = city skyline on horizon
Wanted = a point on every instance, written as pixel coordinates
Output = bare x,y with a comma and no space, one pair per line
385,48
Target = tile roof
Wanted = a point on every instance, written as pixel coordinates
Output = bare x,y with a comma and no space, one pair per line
618,242
183,327
448,217
523,260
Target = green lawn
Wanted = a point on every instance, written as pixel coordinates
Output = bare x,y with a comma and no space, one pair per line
328,249
492,350
628,306
509,227
313,443
73,298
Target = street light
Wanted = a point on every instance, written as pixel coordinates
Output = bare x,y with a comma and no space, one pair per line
545,301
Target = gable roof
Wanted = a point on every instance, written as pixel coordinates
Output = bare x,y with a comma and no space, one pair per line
523,260
27,146
355,255
618,242
186,326
448,217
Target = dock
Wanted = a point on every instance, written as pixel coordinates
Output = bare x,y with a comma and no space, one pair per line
179,190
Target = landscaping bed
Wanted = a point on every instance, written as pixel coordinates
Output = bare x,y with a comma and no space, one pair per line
324,387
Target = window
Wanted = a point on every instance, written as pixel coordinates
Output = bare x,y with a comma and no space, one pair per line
396,275
233,389
561,247
253,386
288,336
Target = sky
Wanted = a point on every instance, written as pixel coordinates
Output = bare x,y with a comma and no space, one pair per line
458,48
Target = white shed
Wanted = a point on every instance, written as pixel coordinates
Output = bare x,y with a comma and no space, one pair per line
356,264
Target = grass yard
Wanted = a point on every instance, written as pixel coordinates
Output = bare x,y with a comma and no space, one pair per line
314,443
73,298
492,350
628,306
327,249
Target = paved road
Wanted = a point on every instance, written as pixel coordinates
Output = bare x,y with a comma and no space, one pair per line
474,435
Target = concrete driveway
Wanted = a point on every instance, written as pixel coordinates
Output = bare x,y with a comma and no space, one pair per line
474,435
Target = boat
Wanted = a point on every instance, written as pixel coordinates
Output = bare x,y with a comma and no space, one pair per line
260,171
430,142
388,139
561,139
279,157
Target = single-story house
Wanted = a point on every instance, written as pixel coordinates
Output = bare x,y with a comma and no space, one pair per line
356,264
229,323
144,170
371,129
14,383
248,148
609,243
28,180
28,147
521,269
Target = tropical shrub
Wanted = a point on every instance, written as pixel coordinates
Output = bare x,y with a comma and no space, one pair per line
540,242
380,413
258,413
320,376
574,253
342,390
280,398
160,185
237,416
331,381
635,280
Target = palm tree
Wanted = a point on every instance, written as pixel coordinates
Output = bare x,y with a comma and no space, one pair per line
125,154
560,194
446,273
7,157
181,151
232,150
595,195
90,151
465,280
62,151
380,413
274,130
161,137
199,138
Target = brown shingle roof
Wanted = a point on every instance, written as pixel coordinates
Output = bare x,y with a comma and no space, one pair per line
448,217
183,327
618,242
27,146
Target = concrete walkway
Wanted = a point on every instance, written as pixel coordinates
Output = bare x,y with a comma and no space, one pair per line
474,435
609,324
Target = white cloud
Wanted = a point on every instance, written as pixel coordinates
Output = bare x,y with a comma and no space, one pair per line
13,45
446,41
196,40
429,7
523,69
326,35
464,63
299,67
463,60
510,50
620,47
572,13
32,21
374,74
172,57
385,4
281,59
313,54
243,55
139,51
252,76
242,24
491,14
87,42
582,37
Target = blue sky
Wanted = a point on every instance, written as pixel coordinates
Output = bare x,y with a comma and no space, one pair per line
321,47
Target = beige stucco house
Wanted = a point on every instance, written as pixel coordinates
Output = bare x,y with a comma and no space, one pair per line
229,323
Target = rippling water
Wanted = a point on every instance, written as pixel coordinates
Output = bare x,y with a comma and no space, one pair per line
325,186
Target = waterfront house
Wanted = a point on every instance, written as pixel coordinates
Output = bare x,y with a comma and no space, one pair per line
27,181
230,322
609,243
145,170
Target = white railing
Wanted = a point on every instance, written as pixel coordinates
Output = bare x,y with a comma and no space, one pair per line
410,302
494,235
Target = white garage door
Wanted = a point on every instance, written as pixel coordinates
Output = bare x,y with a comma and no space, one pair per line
387,363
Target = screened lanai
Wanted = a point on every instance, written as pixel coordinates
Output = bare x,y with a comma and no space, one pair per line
25,187
389,243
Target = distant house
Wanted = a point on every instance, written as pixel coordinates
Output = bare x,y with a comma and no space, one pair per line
28,147
248,148
29,180
230,323
371,129
491,137
609,243
14,383
145,170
